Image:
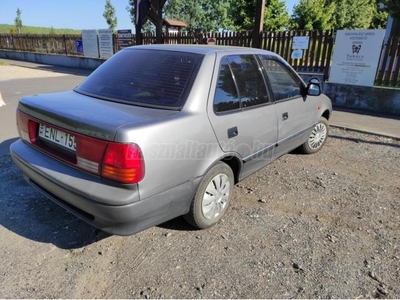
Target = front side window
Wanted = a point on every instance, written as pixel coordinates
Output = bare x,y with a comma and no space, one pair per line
153,78
240,84
284,84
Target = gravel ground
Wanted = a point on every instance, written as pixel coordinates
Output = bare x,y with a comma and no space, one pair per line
317,226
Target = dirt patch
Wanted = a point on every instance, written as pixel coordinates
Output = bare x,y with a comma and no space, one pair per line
318,226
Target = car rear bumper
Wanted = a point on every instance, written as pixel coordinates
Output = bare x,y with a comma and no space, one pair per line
114,209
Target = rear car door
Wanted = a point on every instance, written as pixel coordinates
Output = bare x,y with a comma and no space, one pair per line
296,112
241,113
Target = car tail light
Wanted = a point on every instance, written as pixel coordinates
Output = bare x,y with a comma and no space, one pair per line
115,161
123,163
27,128
89,153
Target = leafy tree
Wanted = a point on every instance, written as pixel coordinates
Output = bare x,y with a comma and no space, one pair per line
109,15
353,14
200,15
18,21
312,14
242,13
379,17
276,16
393,7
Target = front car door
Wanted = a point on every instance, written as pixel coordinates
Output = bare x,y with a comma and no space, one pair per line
296,112
241,113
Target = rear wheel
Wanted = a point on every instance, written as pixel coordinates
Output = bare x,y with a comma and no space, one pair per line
317,137
212,197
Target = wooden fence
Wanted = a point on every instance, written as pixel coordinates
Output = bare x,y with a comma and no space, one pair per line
316,59
388,73
46,43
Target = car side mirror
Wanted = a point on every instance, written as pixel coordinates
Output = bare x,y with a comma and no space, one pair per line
314,87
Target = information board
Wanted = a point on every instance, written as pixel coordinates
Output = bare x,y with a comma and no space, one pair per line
106,43
89,40
300,42
356,56
124,38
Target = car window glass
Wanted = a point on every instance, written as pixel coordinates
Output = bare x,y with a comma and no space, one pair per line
251,85
284,85
226,95
144,77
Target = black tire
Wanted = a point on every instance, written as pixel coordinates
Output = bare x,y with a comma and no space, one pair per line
317,138
207,208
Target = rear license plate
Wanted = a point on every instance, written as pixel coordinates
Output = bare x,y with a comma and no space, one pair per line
58,137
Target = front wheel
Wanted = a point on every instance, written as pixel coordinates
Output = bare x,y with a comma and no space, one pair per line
317,137
212,197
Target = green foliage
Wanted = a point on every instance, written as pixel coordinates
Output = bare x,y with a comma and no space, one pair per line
7,29
379,17
200,15
276,16
354,14
312,14
131,10
242,13
109,15
393,7
18,21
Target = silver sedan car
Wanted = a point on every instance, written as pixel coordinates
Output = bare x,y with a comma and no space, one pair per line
162,131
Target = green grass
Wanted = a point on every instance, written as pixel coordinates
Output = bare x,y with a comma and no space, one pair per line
7,29
2,63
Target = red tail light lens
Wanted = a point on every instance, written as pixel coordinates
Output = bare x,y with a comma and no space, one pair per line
116,161
27,128
89,153
123,163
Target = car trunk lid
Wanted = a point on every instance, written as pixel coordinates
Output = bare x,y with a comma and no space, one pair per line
86,115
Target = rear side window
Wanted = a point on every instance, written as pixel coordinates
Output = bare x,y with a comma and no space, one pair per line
249,80
151,78
283,82
240,84
226,95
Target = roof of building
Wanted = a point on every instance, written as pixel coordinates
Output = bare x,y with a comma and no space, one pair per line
175,23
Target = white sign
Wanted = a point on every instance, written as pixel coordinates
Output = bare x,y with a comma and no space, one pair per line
356,56
300,42
89,40
106,43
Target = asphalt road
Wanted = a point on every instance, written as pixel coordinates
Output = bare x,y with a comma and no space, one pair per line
13,89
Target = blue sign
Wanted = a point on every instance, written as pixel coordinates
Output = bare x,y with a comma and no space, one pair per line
79,46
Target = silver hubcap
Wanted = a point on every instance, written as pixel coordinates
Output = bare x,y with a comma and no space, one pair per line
216,196
318,136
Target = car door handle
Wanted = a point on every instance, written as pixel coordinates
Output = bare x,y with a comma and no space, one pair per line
285,116
232,132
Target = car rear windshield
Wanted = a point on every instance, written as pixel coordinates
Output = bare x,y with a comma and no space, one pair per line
152,78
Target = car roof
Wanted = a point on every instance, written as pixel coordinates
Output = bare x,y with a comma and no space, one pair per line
202,49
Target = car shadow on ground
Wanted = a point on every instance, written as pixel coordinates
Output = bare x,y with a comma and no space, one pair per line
178,224
28,214
5,146
359,140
